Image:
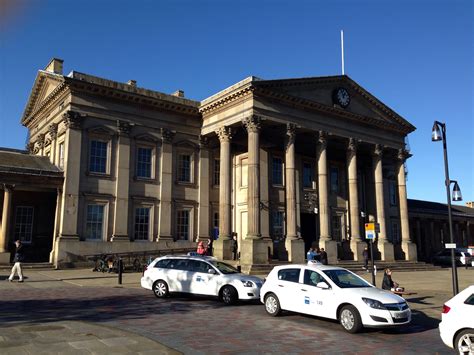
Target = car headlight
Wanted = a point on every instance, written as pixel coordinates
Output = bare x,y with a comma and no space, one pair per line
247,283
373,303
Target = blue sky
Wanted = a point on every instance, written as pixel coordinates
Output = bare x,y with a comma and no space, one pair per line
416,56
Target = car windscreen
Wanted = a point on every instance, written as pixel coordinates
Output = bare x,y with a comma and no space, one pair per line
224,268
346,279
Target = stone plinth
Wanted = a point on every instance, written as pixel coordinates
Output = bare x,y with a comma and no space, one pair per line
357,248
223,249
386,251
409,249
254,251
295,248
330,246
4,258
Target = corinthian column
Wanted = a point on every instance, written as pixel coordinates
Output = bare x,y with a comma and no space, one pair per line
222,246
385,248
357,246
408,247
252,124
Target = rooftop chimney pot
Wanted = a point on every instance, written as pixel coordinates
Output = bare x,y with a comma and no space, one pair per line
132,83
178,93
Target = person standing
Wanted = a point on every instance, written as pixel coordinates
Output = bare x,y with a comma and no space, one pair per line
235,246
209,247
323,256
200,249
310,254
365,255
18,259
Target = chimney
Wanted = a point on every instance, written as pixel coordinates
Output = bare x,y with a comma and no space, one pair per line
55,66
470,204
132,83
178,93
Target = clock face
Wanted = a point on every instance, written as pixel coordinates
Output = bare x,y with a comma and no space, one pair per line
342,97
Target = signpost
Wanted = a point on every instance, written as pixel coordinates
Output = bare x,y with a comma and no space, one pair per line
371,229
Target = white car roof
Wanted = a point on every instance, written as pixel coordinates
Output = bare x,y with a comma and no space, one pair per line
310,266
190,257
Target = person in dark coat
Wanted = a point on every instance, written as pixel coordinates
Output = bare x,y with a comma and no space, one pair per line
209,247
17,260
365,255
388,284
235,247
323,256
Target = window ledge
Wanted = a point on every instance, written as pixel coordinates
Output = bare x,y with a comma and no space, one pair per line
146,180
100,175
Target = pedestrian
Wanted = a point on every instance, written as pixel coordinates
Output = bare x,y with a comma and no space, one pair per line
324,257
365,255
200,249
317,254
209,247
389,284
18,259
235,246
310,254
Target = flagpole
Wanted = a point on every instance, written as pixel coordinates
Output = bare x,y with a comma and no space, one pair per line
342,50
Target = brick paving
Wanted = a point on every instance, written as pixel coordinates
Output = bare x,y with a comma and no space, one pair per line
78,312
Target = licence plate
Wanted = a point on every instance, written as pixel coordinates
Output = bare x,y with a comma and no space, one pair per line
399,315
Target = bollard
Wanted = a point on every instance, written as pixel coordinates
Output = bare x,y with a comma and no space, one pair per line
120,269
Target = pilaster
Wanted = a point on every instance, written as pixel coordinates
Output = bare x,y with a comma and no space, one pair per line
203,194
166,186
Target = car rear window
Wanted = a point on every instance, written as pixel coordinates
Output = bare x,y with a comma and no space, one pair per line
163,263
470,300
292,275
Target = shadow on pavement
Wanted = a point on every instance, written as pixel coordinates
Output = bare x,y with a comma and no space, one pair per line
419,300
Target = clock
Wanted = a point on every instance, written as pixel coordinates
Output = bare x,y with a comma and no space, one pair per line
341,97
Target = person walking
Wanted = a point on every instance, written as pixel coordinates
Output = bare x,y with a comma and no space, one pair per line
365,255
323,256
18,259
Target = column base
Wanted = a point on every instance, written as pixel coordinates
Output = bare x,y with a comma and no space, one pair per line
254,251
386,251
409,249
120,238
295,249
357,247
330,246
222,249
5,258
69,236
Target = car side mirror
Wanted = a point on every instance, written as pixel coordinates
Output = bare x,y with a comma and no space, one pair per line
211,271
322,285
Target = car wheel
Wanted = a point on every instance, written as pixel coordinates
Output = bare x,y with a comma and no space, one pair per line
272,305
350,320
229,295
160,289
464,342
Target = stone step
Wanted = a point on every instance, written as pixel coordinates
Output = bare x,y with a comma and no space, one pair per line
30,266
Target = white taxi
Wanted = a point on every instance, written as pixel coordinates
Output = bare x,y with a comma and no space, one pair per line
199,275
332,292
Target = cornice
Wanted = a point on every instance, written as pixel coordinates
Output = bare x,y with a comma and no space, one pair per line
224,102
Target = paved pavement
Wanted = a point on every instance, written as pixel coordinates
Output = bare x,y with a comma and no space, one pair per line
82,312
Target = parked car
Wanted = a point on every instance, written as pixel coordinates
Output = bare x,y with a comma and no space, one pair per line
202,275
457,322
332,292
462,256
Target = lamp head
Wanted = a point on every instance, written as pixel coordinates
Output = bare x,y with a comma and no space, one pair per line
436,133
457,196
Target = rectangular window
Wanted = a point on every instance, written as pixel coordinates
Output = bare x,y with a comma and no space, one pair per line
217,172
278,226
277,171
184,168
142,223
395,234
215,225
307,175
244,176
95,222
334,176
182,225
61,156
98,157
393,193
24,223
144,162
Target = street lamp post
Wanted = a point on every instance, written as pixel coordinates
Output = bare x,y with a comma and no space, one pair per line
436,135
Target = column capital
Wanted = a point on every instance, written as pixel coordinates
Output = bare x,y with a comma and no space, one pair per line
124,128
30,147
322,137
8,187
72,119
252,123
167,135
403,155
290,134
203,142
40,140
378,151
352,145
224,133
53,130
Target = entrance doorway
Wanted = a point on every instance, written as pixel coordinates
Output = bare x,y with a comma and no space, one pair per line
309,230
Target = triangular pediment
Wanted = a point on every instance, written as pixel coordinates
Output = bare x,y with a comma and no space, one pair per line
45,84
321,92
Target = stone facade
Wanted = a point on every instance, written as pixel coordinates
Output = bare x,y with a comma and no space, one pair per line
282,164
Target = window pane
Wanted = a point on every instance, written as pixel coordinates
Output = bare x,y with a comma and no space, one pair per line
334,180
307,175
184,168
61,156
217,173
94,222
278,231
98,157
277,171
24,223
142,223
144,162
182,225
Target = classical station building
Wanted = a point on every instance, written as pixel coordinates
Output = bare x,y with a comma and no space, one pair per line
280,164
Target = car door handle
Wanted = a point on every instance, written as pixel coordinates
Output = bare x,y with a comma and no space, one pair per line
281,286
304,290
